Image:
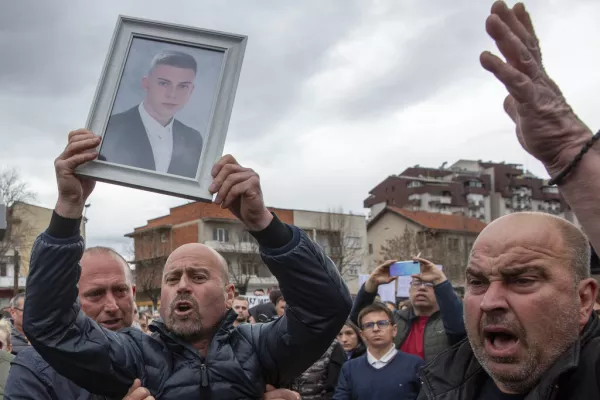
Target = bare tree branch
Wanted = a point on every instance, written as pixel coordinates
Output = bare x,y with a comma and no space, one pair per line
341,243
247,262
13,192
449,250
150,253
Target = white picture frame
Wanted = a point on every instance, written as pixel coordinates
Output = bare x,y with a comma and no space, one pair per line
131,38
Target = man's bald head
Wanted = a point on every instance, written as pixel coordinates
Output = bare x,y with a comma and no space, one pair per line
101,250
194,252
574,241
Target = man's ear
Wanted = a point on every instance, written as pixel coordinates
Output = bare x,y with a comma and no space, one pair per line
588,290
229,295
133,289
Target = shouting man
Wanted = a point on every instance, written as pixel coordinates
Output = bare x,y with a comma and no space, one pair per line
529,297
194,351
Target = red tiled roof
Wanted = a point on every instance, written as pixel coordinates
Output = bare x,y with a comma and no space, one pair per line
442,222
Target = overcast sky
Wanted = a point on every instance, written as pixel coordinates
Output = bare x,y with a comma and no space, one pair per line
333,97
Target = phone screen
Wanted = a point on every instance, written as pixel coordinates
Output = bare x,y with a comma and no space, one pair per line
405,268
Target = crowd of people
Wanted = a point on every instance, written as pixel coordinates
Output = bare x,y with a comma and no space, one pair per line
527,327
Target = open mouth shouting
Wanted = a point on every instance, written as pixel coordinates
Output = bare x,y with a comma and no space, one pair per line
183,308
500,342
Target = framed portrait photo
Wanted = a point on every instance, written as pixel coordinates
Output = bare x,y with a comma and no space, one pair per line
163,105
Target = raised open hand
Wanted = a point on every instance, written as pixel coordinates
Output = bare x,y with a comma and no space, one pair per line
546,125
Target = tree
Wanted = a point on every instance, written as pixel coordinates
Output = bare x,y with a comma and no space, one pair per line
433,245
13,191
151,250
342,242
400,247
246,262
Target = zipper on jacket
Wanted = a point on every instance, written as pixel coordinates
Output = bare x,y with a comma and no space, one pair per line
203,375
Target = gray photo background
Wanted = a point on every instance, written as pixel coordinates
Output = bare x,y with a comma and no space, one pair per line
196,113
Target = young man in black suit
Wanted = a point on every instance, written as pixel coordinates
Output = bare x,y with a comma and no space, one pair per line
148,136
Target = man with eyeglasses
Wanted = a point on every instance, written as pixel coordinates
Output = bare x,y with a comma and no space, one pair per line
384,372
433,323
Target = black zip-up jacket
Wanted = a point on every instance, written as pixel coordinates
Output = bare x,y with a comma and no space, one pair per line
240,361
457,375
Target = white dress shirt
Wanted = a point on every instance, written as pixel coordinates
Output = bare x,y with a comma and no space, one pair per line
161,139
383,361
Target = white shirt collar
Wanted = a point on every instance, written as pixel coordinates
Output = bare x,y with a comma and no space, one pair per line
387,357
150,123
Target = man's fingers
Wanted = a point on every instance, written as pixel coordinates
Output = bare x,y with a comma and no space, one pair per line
230,181
139,394
281,394
80,147
519,85
525,19
79,132
136,384
75,161
226,159
512,21
512,48
245,187
270,388
510,106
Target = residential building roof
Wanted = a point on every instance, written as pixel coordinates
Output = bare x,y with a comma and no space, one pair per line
436,221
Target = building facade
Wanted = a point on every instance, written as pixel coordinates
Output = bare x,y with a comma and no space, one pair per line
397,233
25,222
342,236
481,190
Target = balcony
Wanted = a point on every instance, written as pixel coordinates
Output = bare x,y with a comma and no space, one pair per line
232,247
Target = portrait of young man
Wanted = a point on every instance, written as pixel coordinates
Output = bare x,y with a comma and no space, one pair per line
149,135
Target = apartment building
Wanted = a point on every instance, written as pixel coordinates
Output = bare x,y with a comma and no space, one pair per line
26,222
481,190
342,236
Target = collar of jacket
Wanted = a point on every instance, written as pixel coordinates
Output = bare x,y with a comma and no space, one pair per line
177,344
457,369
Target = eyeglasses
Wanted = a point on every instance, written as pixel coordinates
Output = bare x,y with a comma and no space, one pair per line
421,283
367,326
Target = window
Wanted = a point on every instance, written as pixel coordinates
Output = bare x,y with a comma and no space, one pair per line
414,184
163,237
245,237
249,269
3,269
220,235
370,248
452,243
551,189
354,242
474,184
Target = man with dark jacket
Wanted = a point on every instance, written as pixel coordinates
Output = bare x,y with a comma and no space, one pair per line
194,351
435,320
529,297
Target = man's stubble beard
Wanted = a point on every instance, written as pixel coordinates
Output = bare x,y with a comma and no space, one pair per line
191,328
533,367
